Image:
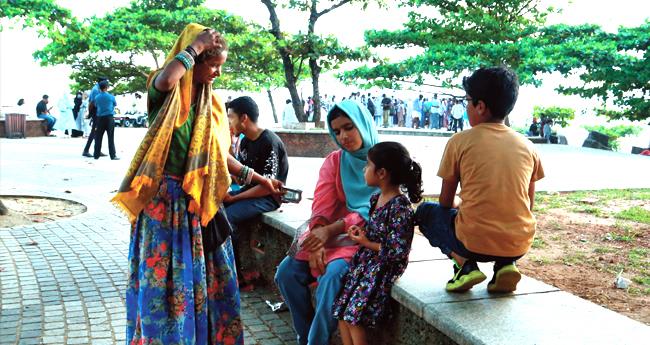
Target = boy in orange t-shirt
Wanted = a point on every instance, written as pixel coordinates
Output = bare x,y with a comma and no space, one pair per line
496,167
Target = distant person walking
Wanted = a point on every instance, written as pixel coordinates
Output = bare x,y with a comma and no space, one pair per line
105,103
43,112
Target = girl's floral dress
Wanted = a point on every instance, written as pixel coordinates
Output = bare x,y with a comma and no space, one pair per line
365,297
177,293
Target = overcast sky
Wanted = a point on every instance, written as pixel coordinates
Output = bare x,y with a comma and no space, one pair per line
22,77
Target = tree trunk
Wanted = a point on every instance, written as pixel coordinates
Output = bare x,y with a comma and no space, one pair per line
275,114
313,63
289,68
3,210
315,74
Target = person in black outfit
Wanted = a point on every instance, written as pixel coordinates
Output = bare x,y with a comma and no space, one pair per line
264,152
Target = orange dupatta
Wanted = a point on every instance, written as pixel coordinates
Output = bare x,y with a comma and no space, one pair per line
206,178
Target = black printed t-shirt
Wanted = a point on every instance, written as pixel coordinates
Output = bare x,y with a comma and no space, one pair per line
266,155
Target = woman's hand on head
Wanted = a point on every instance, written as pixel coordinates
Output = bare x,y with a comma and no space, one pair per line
206,40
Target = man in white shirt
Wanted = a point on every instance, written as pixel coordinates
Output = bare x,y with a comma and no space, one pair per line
457,113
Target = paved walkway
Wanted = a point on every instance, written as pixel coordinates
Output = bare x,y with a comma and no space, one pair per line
63,282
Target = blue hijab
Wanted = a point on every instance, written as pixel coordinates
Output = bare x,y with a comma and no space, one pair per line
357,193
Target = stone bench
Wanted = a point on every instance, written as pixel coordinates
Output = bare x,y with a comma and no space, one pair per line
33,128
537,313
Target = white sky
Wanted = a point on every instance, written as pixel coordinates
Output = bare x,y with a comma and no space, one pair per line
22,77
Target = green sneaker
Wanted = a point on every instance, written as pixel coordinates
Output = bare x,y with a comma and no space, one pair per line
465,277
505,279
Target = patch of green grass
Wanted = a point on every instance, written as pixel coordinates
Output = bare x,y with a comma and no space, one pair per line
626,234
545,201
590,210
554,224
639,260
610,194
636,213
574,258
604,250
540,260
538,243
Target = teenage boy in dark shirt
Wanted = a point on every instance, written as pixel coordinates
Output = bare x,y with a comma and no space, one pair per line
261,150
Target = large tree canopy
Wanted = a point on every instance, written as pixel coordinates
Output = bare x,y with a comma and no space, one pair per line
128,43
465,35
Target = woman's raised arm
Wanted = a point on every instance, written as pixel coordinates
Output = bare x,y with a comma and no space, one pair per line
174,71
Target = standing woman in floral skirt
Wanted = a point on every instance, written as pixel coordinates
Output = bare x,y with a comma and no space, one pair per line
180,291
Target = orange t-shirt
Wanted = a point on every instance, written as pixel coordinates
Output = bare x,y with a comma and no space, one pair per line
494,166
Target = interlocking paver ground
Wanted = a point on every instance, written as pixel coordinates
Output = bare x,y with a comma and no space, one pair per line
64,282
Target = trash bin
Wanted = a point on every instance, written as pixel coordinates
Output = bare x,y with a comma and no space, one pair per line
15,125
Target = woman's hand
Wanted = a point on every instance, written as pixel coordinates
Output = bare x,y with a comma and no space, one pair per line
206,40
317,261
316,238
358,234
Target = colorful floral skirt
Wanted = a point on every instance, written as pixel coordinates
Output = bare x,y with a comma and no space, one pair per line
176,293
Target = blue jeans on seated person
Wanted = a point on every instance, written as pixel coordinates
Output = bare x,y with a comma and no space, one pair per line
50,120
244,210
313,326
437,224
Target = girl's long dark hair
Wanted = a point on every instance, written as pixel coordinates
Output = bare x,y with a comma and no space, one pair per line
403,171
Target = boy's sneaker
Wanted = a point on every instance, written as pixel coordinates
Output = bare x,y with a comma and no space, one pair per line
505,279
465,277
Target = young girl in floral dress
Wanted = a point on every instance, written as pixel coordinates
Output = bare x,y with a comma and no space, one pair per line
384,244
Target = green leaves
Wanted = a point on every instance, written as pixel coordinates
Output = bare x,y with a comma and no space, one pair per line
459,36
559,115
128,43
40,14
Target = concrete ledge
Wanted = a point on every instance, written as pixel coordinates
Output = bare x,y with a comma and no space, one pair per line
33,128
537,313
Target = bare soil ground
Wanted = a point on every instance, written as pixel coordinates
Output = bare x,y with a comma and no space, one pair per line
585,240
29,210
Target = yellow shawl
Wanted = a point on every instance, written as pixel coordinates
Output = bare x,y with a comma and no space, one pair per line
206,178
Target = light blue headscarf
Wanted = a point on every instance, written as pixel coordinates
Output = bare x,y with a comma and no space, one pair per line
357,193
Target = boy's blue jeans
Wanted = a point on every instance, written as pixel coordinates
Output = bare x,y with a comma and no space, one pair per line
246,209
314,325
437,224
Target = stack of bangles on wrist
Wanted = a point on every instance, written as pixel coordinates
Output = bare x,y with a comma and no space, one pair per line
246,175
187,57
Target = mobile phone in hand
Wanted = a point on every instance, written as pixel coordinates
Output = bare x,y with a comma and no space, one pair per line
291,195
